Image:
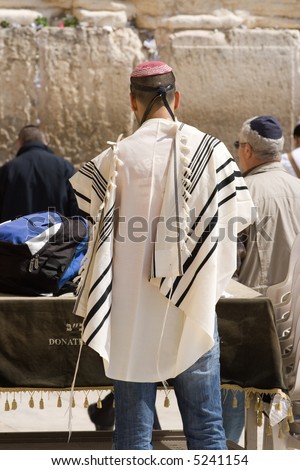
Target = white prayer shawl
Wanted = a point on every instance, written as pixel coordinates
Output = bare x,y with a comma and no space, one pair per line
204,205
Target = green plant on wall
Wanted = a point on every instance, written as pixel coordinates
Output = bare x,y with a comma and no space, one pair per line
41,21
4,24
71,21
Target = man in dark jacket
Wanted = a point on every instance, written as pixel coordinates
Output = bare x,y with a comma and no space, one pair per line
36,180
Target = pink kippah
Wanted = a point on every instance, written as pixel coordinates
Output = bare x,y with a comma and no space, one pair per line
149,69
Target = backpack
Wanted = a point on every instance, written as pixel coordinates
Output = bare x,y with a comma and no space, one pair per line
41,253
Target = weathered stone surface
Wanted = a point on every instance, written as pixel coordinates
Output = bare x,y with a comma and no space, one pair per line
233,59
36,4
222,20
287,8
74,81
99,5
25,17
219,19
116,19
227,77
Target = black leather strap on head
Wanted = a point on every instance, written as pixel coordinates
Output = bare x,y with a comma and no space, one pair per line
161,91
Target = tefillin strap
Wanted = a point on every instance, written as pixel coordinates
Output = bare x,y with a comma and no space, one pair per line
161,91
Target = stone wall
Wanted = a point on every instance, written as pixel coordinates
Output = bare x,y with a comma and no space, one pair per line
232,60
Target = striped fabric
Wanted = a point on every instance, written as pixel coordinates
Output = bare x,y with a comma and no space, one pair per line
207,197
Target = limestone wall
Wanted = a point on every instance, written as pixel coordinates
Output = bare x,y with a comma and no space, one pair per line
232,59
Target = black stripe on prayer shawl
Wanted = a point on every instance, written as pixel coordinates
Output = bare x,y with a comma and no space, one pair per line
226,199
198,218
180,300
200,242
96,331
88,170
201,158
96,307
82,196
107,226
238,174
100,278
230,160
99,184
229,179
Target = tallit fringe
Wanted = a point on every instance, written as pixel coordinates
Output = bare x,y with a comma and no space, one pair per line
184,159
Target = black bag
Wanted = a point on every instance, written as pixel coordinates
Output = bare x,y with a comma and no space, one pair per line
41,253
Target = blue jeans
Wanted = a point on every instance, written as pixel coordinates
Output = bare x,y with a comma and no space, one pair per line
199,400
233,417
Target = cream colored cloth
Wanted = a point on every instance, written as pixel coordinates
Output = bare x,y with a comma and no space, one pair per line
156,268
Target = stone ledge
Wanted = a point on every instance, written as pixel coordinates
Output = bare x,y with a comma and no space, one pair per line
222,19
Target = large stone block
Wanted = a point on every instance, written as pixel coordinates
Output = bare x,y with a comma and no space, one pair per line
227,77
36,4
99,5
270,8
116,19
24,17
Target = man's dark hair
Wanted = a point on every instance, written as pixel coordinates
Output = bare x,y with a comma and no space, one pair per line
156,81
30,133
154,91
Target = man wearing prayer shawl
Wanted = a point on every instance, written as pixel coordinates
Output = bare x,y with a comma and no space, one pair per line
166,203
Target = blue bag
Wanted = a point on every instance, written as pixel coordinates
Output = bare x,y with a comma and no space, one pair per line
41,253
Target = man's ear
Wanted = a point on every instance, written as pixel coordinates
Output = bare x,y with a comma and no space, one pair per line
133,102
177,100
248,151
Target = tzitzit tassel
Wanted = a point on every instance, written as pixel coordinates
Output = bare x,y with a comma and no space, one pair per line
6,407
14,405
73,402
269,429
41,404
279,431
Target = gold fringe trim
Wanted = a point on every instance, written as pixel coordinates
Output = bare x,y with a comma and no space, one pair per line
47,389
260,391
13,404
